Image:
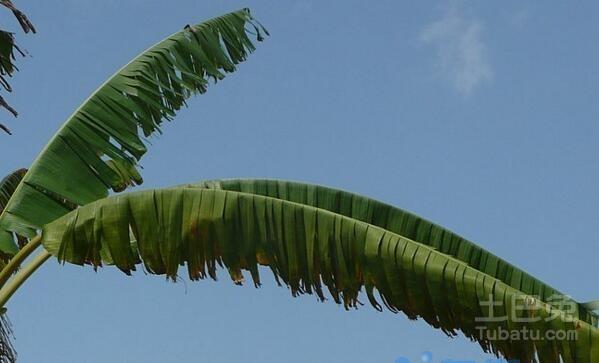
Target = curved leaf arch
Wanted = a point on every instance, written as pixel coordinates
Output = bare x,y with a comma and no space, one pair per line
309,249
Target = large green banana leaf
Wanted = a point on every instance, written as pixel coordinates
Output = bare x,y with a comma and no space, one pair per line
98,147
310,249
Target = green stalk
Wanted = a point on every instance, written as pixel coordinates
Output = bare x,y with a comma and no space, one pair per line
7,291
18,259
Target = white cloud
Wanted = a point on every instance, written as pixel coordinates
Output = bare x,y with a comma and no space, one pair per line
461,52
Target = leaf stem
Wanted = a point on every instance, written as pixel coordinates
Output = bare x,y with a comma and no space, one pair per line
18,259
7,291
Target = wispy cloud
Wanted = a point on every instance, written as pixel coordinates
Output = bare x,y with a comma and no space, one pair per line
461,52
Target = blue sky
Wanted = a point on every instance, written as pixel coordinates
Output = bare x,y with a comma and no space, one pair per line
479,116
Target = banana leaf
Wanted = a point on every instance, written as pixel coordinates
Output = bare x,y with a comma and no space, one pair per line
310,248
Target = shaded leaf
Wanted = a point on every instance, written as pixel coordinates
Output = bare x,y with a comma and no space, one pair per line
8,47
26,24
8,185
